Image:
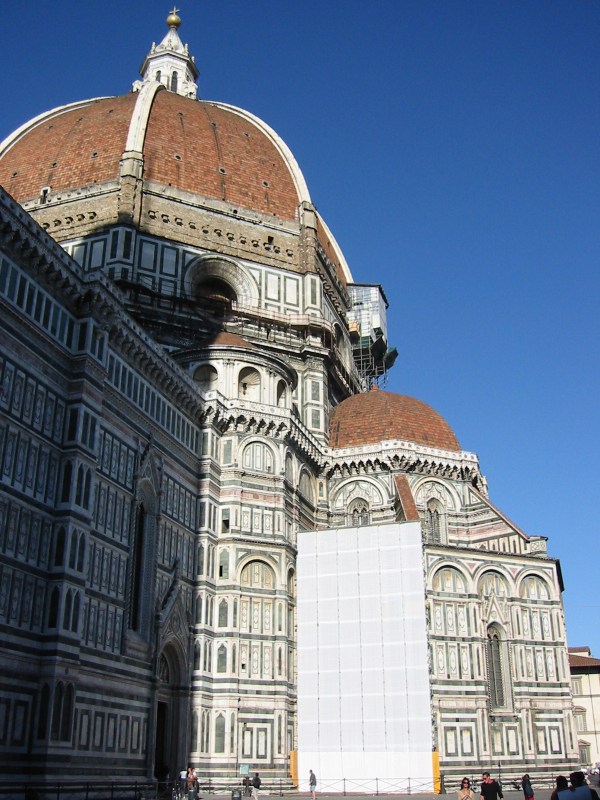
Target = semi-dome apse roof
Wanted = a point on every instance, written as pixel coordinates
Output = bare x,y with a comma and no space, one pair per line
379,416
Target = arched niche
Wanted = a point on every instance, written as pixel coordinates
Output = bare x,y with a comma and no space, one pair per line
220,279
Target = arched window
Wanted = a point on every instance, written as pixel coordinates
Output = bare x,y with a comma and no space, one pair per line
289,468
223,613
433,522
306,486
56,711
157,76
62,712
73,550
66,720
197,655
492,583
257,456
257,575
207,377
199,609
281,394
224,564
449,580
222,658
87,488
207,666
79,487
59,547
208,611
534,588
173,81
81,553
66,482
75,614
497,666
358,513
44,710
220,733
249,384
205,731
53,608
67,611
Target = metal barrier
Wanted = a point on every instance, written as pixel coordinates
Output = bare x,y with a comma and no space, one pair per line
151,790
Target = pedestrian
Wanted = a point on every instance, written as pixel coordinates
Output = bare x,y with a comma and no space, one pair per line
312,783
465,792
246,783
490,789
579,790
256,782
527,787
191,781
561,784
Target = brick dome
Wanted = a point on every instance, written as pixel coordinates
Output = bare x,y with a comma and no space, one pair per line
378,416
204,148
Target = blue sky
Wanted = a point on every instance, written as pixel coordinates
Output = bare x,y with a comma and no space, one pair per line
452,148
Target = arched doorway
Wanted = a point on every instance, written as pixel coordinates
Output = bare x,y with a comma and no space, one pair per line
170,748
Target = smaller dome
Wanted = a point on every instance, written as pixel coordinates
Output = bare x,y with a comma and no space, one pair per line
379,416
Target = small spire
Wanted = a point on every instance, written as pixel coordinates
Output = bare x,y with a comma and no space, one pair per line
170,62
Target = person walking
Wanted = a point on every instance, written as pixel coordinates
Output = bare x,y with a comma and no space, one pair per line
256,782
490,789
312,784
527,787
465,792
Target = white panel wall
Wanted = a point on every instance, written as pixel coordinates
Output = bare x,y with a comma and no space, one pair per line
363,680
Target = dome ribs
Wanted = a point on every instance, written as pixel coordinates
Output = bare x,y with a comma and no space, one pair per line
68,150
221,156
206,149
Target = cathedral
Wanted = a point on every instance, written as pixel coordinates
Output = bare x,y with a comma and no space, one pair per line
221,542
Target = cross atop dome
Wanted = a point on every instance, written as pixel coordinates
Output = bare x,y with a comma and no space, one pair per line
170,62
173,20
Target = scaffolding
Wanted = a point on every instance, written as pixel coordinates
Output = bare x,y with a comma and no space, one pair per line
367,323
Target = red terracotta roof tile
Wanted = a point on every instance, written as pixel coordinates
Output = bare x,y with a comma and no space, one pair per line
378,416
192,145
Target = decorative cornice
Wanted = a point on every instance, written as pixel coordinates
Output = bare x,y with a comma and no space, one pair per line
397,456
